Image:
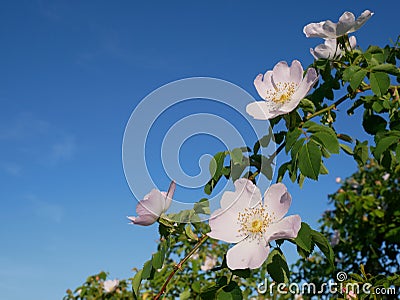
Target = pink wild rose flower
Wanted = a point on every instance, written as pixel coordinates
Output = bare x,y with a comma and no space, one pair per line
250,223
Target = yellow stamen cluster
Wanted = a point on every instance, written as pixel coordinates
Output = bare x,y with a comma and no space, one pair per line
283,92
254,221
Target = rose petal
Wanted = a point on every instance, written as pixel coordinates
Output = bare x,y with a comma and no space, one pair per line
345,24
263,84
220,221
281,73
262,110
287,228
144,220
296,72
153,203
249,253
169,195
326,29
246,195
364,17
277,200
305,86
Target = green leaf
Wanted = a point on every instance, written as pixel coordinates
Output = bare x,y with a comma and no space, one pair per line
202,207
327,140
229,292
277,266
236,156
291,138
244,273
373,123
147,268
296,148
345,137
157,260
323,244
380,83
357,78
361,152
307,105
346,149
323,170
266,167
185,295
189,233
310,160
216,165
137,279
349,72
387,68
303,239
383,144
282,170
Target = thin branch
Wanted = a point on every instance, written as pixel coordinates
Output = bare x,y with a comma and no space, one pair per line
179,266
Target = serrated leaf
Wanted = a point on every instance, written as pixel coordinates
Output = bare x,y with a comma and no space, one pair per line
345,137
303,239
323,170
349,72
383,144
307,105
229,292
323,244
147,268
185,295
236,156
282,170
291,138
296,147
310,160
380,83
327,140
277,266
243,273
346,149
189,233
137,279
216,165
361,152
157,260
357,78
388,68
202,207
373,123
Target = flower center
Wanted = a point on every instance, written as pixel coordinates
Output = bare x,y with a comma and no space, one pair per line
254,221
283,92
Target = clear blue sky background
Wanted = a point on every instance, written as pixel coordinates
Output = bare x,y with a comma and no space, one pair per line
71,72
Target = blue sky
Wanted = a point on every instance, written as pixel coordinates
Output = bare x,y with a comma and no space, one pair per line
71,73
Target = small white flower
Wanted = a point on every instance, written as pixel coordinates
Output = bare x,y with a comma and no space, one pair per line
282,89
329,30
153,205
244,219
110,285
338,180
386,176
209,263
330,49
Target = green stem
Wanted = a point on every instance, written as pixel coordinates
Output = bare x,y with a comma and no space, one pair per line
335,104
179,265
